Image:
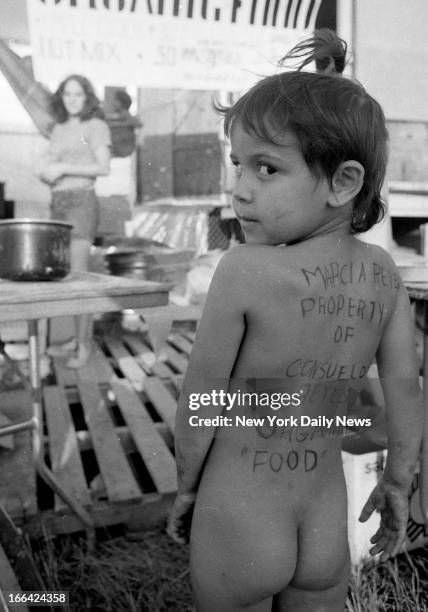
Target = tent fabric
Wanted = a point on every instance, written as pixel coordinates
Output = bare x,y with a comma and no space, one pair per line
32,95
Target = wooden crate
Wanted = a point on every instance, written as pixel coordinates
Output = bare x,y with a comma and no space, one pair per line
108,436
362,472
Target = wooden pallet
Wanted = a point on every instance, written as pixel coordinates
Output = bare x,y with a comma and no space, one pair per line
109,435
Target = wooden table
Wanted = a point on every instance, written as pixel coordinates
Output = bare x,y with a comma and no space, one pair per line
79,293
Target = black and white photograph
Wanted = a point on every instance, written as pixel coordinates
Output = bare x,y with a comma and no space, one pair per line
214,305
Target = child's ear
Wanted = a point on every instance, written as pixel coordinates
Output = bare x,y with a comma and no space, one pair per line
346,183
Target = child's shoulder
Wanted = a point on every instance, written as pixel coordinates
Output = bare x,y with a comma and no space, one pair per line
252,253
379,256
252,258
251,271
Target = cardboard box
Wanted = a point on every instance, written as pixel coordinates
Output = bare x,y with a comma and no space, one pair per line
362,472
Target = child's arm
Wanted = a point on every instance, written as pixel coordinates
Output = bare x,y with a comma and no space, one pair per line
216,347
398,371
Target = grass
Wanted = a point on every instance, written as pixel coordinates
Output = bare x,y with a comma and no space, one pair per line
147,572
399,585
144,572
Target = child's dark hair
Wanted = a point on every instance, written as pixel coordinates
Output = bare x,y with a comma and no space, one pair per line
123,98
333,118
91,107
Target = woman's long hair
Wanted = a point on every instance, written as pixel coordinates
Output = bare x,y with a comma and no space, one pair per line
91,107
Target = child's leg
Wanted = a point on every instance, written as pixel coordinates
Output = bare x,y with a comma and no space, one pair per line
321,578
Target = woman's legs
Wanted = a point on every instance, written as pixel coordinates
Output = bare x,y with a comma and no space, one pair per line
80,207
79,256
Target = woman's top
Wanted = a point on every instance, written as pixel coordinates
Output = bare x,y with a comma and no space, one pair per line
76,143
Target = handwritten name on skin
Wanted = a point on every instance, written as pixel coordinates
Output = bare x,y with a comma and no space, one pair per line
334,275
324,370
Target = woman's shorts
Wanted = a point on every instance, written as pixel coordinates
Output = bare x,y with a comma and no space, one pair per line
80,207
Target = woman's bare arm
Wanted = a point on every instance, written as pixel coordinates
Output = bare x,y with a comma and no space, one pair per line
100,167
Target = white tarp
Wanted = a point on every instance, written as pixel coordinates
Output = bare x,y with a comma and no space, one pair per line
191,44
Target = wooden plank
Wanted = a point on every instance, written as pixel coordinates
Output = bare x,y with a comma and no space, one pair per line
150,444
162,400
190,335
126,362
77,287
63,447
150,511
85,441
101,366
179,341
8,582
66,377
120,482
146,357
177,360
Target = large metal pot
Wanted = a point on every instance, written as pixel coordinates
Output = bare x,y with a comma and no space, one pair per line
34,249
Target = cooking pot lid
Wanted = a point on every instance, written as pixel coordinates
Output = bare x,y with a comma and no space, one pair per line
34,222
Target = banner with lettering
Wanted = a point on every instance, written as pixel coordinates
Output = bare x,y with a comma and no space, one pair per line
190,44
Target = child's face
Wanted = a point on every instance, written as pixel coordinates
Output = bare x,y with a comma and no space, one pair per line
73,97
276,197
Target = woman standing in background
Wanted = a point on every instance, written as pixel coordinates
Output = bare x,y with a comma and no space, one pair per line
79,152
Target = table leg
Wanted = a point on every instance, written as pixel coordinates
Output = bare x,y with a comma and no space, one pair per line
37,431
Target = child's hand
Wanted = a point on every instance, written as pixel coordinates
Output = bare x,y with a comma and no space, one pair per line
393,504
180,518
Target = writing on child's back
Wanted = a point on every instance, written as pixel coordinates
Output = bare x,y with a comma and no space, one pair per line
334,275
